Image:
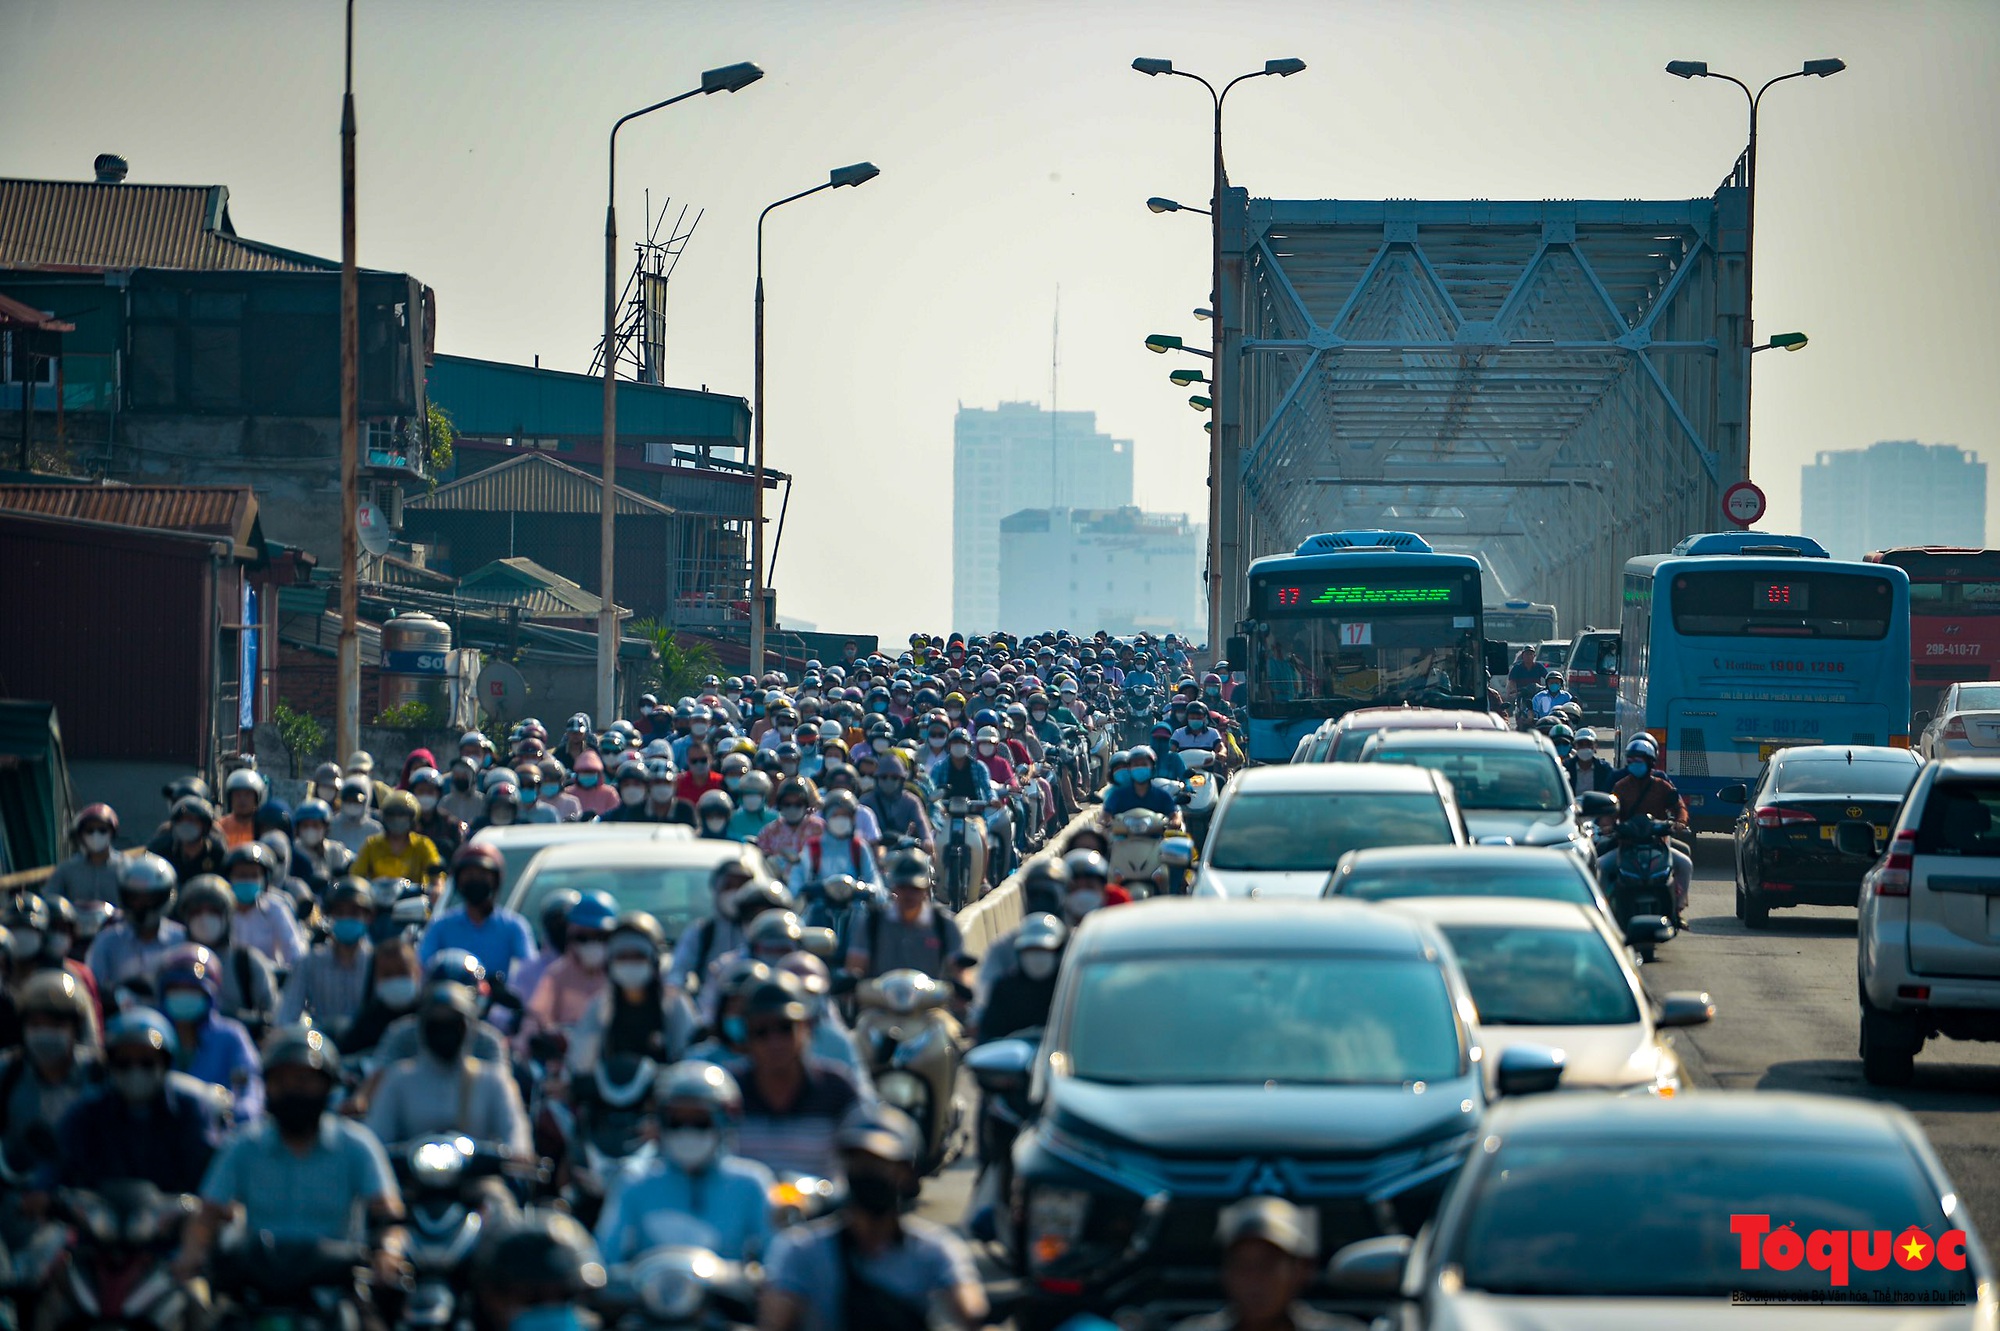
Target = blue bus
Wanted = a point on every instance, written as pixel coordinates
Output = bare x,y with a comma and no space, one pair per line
1356,619
1739,644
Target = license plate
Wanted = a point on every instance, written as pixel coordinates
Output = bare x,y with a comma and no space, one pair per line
1764,751
1827,829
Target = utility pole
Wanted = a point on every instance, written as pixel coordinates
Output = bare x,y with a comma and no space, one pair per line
347,714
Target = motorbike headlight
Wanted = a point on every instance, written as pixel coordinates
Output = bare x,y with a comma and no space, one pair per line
439,1162
905,991
1055,1222
674,1284
797,1192
905,1090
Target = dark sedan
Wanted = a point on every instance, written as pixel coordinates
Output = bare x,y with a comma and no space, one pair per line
1785,854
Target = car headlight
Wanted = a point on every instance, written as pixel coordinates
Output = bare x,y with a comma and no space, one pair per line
1055,1222
438,1163
905,1090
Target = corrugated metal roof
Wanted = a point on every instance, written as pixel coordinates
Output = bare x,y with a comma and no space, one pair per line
84,224
532,483
227,511
536,591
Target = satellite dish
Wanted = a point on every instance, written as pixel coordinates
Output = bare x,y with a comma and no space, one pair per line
373,529
502,691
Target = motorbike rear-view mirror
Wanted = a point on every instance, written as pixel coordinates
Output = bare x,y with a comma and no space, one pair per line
1238,649
1649,929
1852,836
1183,797
1371,1267
822,943
1595,804
1685,1009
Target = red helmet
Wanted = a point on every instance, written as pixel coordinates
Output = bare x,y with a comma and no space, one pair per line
96,813
477,854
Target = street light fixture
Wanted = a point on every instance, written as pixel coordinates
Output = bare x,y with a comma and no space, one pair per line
1159,205
1698,69
1200,403
1221,456
1161,343
1204,315
727,78
1185,378
840,177
1783,342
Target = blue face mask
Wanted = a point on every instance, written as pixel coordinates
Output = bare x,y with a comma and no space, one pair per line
1638,767
550,1317
735,1030
551,790
350,931
1197,724
1141,775
527,795
1562,750
187,1005
587,780
247,891
1122,777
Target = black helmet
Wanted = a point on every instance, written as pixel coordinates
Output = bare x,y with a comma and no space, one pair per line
645,926
251,852
350,891
908,866
24,909
1088,864
192,806
779,996
456,965
181,787
547,1257
303,1047
1043,883
555,915
753,899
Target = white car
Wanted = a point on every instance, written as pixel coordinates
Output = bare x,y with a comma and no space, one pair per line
520,843
1553,975
667,877
1928,958
1966,724
1509,785
1279,831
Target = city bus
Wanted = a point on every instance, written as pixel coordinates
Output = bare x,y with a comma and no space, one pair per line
1357,619
1739,644
1954,618
1521,623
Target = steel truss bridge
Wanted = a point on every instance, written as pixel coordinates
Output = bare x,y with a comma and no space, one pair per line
1554,386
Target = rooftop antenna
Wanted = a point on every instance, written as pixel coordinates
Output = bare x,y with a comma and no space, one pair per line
642,323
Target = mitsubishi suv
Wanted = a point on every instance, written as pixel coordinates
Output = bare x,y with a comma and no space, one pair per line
1929,922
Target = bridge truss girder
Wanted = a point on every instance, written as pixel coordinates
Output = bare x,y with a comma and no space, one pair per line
1554,386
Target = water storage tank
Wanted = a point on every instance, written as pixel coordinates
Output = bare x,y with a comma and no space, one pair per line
414,652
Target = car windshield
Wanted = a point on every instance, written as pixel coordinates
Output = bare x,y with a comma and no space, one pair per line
1881,776
1482,878
1538,1223
673,894
1229,1020
1512,780
1522,976
1298,829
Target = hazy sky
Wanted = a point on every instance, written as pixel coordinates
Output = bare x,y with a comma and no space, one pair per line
1017,148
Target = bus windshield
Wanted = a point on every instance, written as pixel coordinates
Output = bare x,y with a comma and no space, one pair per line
1311,666
1520,625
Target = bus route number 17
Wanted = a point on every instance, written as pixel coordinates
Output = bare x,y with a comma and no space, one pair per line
1357,635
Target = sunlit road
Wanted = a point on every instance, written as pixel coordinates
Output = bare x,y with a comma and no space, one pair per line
1786,1020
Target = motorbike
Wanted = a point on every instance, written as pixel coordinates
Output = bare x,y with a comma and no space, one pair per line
1136,835
608,1147
1002,1068
912,1046
1137,711
116,1268
290,1284
1177,854
1202,786
955,849
678,1289
1642,889
440,1180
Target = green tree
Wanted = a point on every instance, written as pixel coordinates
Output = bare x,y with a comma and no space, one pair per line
406,716
439,434
302,735
680,667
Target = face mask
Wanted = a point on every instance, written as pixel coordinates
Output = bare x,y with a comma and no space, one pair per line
502,816
1038,965
1122,777
954,712
631,796
753,803
444,1038
590,956
349,930
97,842
735,1031
986,748
296,1114
840,828
634,974
187,1005
329,795
1141,775
1083,900
207,927
793,814
396,991
529,794
699,729
461,780
138,1085
187,832
587,780
1637,767
1584,757
788,768
1037,713
866,783
45,1045
311,836
475,891
1562,750
662,791
891,786
397,824
354,810
961,751
1197,724
873,1194
693,1149
936,742
247,891
427,802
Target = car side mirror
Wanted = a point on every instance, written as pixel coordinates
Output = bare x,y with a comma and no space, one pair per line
1685,1009
1919,720
1596,804
1851,836
1649,929
1002,1066
1530,1069
1238,651
1738,793
1183,797
1372,1267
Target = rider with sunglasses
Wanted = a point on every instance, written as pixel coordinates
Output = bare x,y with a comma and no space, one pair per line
793,1102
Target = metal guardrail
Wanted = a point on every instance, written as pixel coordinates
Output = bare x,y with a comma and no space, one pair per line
999,911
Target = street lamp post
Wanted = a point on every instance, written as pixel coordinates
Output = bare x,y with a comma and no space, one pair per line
1222,441
347,647
858,174
1698,69
729,78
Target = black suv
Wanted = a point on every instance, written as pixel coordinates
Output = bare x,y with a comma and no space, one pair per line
1200,1052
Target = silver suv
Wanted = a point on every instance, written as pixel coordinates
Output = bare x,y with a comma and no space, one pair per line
1929,954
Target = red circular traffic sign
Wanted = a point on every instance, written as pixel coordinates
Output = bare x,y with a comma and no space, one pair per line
1743,504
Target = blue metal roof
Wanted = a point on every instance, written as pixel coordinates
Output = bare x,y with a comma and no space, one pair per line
491,399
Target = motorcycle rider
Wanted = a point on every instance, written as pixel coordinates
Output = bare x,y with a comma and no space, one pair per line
1020,998
354,820
639,1013
242,792
317,861
632,786
712,813
91,874
329,982
784,841
1270,1256
702,1195
575,980
445,1091
898,812
478,924
440,828
302,1173
957,776
870,1265
753,812
793,1102
1198,733
836,849
57,1064
249,986
1586,772
462,800
1138,790
1645,789
912,932
148,1121
1552,696
261,918
131,947
189,841
717,934
593,794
